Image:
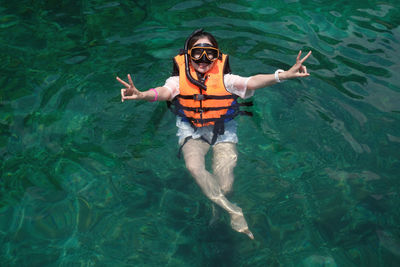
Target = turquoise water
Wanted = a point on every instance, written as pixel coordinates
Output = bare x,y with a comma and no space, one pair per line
89,181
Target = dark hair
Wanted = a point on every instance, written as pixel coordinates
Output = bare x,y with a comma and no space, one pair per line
200,35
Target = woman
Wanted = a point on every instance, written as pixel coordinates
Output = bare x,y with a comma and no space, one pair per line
204,96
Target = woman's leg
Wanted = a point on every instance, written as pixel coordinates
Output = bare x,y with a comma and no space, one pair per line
224,161
194,152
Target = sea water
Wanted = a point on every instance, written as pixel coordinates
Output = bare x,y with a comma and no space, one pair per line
89,181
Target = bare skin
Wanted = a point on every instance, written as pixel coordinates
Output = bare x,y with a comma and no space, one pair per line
130,92
215,186
298,70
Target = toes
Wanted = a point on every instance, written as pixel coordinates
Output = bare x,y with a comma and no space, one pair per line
248,233
239,224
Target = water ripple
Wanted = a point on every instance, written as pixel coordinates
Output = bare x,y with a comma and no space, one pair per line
93,180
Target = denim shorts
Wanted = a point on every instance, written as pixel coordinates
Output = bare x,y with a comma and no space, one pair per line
185,130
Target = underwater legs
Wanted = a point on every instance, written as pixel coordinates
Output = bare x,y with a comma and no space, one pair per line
224,161
194,152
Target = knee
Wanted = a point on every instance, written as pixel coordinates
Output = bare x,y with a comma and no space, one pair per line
225,155
233,159
226,188
194,169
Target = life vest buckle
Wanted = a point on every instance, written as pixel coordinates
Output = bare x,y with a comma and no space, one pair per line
199,97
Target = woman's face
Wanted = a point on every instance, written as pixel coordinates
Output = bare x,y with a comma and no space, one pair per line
202,67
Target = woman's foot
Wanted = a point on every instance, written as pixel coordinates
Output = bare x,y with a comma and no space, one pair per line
239,223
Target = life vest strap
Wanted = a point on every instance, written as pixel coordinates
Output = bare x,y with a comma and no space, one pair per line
246,113
246,104
204,109
219,129
222,118
204,97
186,140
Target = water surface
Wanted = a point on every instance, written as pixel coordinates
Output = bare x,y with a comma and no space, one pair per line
89,181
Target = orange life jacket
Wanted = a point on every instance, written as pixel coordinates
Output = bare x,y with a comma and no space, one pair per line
205,107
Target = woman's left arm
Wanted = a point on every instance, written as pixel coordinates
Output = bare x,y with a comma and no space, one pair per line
298,70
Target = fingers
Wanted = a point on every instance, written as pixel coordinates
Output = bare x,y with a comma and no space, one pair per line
130,91
301,60
303,69
122,95
128,97
298,56
124,83
130,80
304,58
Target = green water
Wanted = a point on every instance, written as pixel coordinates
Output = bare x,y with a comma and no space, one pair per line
89,181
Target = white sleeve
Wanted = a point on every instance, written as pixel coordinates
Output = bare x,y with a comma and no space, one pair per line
237,85
172,84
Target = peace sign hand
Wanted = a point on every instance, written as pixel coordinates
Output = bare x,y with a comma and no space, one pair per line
298,69
130,91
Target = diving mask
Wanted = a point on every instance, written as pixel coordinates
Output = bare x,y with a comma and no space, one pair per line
204,53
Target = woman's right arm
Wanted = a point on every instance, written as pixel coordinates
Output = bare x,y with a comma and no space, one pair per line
130,92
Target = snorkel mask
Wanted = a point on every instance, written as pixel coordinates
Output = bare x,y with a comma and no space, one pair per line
203,53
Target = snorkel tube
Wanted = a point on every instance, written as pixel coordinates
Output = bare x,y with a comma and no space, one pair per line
188,75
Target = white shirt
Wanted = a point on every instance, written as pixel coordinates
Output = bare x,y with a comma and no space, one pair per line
234,84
